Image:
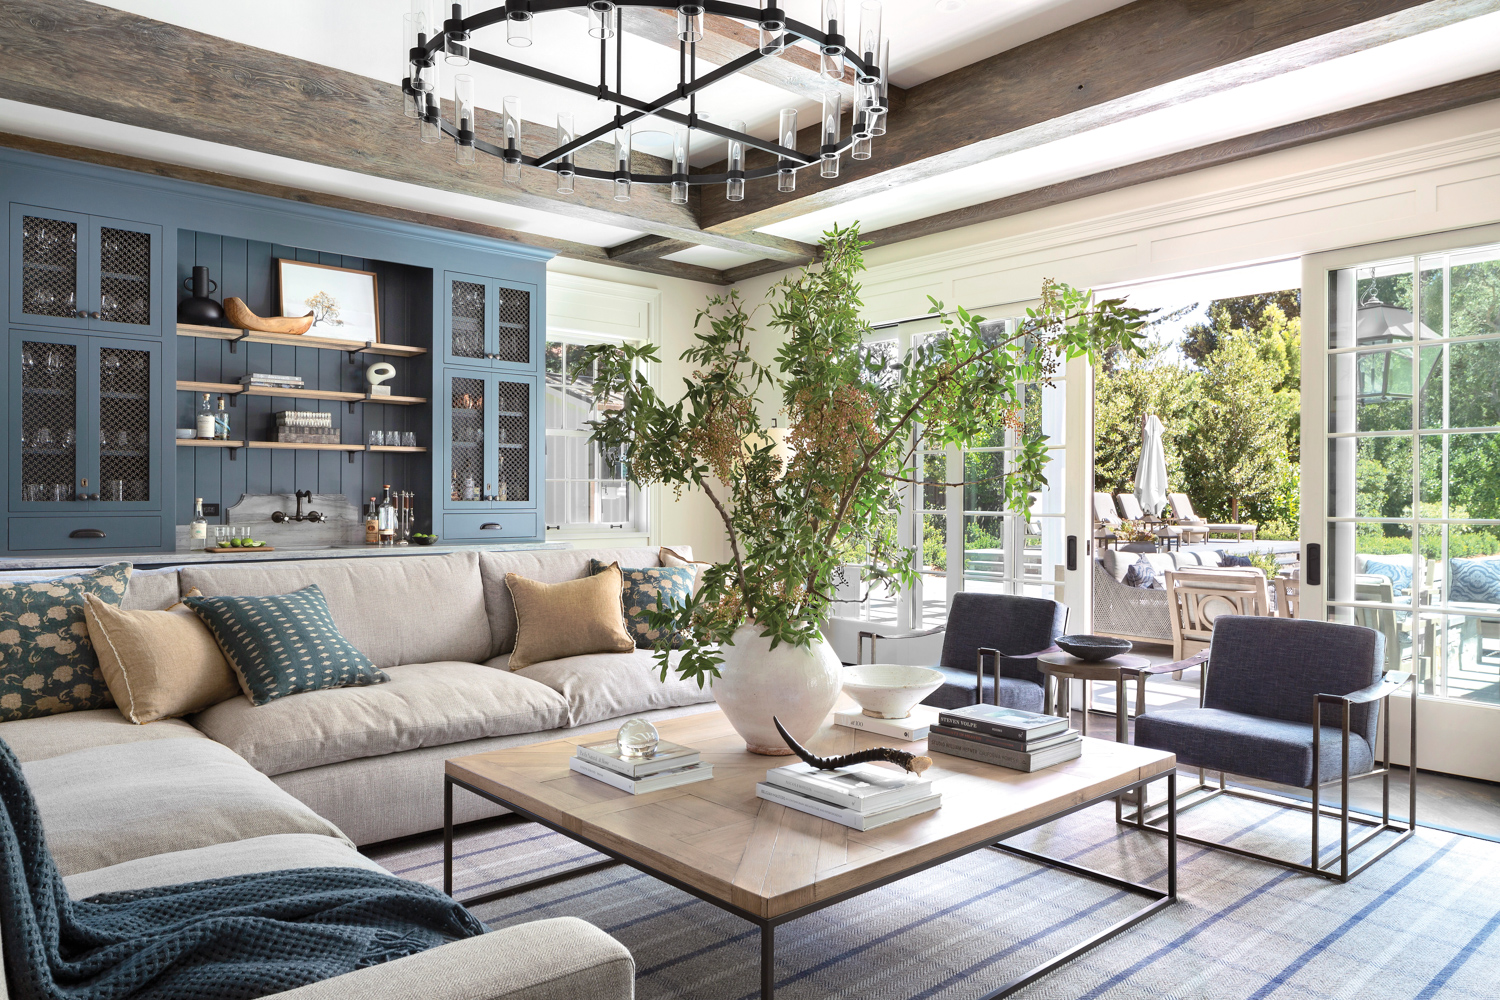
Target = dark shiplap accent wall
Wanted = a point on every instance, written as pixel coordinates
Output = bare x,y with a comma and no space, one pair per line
246,268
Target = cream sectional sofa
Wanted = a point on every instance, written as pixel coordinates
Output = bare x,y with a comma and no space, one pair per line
303,780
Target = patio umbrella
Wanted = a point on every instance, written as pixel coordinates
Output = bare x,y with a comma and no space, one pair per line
1151,471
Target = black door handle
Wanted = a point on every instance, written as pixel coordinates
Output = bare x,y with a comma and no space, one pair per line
85,533
1072,553
1314,573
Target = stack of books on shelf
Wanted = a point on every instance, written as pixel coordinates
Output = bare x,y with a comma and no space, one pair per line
305,427
263,381
910,729
862,796
669,765
1009,737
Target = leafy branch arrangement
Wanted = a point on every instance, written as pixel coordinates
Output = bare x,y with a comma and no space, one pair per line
856,417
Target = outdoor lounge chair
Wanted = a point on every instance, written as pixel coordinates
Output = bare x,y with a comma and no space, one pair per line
1182,513
1266,681
1105,521
1130,506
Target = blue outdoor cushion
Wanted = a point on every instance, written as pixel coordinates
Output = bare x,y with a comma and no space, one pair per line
1268,749
1394,570
1477,581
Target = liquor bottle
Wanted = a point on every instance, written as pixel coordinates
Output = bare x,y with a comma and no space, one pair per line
200,525
221,421
387,518
205,418
372,522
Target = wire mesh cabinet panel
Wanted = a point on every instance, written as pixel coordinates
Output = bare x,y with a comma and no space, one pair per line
490,441
490,323
470,423
84,433
84,272
513,470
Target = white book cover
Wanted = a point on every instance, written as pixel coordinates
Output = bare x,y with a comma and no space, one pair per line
865,788
665,757
847,817
912,728
650,783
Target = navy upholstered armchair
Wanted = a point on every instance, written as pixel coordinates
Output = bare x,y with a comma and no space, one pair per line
1265,681
990,645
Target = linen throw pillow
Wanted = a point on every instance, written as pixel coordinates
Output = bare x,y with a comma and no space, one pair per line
672,557
47,663
158,664
640,590
284,644
554,620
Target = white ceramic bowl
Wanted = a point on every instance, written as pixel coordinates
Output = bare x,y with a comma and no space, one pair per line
889,690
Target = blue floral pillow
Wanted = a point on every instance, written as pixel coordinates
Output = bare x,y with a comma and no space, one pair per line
1395,570
640,590
1476,581
47,663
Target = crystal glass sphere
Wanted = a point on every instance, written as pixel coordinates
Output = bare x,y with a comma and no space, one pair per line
637,738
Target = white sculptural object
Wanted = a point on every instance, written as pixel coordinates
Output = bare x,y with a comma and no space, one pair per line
381,371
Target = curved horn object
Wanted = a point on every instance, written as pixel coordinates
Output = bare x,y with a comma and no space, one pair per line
909,761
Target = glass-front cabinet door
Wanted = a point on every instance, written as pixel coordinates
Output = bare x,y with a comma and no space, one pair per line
84,272
490,323
85,433
490,441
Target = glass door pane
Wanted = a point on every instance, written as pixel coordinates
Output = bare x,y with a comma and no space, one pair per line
49,252
124,278
466,445
125,441
513,337
466,319
50,421
513,441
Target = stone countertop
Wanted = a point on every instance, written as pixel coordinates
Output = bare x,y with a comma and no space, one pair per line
149,559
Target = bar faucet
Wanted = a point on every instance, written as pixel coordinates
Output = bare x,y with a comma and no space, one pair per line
281,517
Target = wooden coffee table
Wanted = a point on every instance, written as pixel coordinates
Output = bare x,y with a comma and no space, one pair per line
768,864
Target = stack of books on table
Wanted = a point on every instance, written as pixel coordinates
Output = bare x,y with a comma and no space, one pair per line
305,427
261,380
862,796
910,729
669,765
1009,737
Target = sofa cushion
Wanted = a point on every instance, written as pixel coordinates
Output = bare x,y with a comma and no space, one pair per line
151,590
284,644
54,735
1251,745
423,704
642,588
406,609
47,664
544,566
107,805
158,664
610,685
240,857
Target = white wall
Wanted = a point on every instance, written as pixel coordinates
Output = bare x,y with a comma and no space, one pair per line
587,297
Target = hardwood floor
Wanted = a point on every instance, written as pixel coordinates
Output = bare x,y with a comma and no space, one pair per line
1444,801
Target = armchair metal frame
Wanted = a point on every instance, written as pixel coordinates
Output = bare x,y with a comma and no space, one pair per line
984,651
1150,817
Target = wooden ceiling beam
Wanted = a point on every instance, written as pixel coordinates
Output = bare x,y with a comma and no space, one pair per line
646,248
563,248
1137,58
110,64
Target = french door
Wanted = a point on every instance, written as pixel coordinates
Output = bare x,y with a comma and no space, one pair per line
1401,377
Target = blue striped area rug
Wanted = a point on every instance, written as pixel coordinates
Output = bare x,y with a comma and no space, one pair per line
1421,923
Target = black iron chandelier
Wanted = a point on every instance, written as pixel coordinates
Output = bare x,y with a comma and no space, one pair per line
867,52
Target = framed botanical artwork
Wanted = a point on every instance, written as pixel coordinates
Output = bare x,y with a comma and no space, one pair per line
344,302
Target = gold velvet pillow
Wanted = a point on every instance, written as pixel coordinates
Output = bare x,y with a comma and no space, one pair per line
158,664
554,620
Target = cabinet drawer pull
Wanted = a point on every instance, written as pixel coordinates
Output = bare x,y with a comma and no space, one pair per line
490,526
85,533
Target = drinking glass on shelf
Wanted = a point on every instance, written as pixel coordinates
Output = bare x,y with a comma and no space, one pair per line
122,440
62,491
70,438
377,439
34,492
42,438
112,489
409,439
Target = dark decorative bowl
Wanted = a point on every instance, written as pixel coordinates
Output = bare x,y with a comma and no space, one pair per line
428,540
1093,647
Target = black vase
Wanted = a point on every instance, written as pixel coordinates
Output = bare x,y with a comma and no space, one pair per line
200,310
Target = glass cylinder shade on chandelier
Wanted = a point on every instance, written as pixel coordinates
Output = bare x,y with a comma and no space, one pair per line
833,47
868,47
511,173
622,164
518,22
772,29
601,19
830,167
680,142
690,22
409,104
456,39
565,135
786,135
734,188
463,115
430,126
882,92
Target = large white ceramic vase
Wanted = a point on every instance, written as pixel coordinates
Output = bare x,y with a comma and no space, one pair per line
796,684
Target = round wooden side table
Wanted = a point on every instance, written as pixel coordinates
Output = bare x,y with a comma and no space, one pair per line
1058,668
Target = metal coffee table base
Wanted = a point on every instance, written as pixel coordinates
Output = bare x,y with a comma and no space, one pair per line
1159,899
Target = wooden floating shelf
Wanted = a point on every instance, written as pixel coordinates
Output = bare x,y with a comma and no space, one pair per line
396,448
294,340
298,446
234,389
292,446
208,443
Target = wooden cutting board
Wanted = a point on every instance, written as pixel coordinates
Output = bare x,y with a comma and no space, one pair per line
242,551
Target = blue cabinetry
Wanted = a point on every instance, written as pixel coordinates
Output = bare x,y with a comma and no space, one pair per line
84,272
